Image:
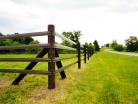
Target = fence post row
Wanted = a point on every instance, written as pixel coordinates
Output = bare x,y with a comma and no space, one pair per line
79,55
51,55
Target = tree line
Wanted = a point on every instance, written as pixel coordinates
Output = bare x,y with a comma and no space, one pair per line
72,35
131,45
18,41
75,36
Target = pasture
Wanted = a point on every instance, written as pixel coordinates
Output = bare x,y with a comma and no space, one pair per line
107,78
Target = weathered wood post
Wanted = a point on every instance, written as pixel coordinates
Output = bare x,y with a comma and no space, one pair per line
88,53
85,54
79,55
51,55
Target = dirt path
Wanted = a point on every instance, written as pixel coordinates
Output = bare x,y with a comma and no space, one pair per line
123,53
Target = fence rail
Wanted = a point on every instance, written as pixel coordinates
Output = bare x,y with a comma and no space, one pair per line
53,56
24,46
64,38
26,71
12,36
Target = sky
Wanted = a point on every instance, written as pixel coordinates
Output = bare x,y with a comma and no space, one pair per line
103,20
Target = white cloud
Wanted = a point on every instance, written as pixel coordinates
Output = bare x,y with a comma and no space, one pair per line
103,20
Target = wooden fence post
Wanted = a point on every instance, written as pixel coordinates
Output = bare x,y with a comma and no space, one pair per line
79,55
85,54
51,55
88,53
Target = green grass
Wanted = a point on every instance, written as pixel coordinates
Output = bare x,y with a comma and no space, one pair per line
107,78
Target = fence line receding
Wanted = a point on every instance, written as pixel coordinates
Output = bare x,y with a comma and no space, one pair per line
53,57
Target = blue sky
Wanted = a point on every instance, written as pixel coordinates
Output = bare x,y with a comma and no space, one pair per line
104,20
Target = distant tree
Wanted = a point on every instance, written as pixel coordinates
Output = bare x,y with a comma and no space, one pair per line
35,42
1,34
74,36
114,44
107,45
91,48
131,43
119,47
86,44
17,41
96,45
25,40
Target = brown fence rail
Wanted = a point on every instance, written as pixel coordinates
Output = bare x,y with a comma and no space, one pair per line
53,56
13,36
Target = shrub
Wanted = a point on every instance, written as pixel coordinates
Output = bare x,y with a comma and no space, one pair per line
131,44
118,47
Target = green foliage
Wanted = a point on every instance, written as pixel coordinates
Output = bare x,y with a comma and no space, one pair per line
116,46
119,47
25,40
131,44
113,44
96,45
1,34
86,44
74,36
19,41
107,45
91,47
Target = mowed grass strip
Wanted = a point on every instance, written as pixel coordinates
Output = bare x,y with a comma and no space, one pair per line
33,87
107,78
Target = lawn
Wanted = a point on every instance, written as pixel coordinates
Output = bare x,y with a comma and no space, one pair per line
107,78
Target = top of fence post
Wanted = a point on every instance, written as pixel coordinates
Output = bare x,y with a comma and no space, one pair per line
51,28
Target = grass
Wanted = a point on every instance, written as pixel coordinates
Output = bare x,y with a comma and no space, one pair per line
106,79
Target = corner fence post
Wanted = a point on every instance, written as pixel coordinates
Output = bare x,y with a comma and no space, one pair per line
51,55
85,54
79,56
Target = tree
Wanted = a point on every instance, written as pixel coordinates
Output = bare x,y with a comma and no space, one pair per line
96,45
107,45
1,34
17,41
25,40
86,44
114,44
119,47
131,44
91,47
74,36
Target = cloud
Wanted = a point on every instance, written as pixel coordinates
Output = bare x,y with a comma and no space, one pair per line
104,20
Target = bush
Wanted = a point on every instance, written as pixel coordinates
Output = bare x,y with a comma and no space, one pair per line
131,44
118,47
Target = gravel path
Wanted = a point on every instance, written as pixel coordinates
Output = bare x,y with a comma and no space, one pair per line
123,53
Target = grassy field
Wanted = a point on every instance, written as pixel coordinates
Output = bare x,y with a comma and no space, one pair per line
107,78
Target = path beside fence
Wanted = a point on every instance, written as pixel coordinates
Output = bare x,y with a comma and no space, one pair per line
122,53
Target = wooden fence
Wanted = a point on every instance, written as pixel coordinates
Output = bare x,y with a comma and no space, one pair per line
53,56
